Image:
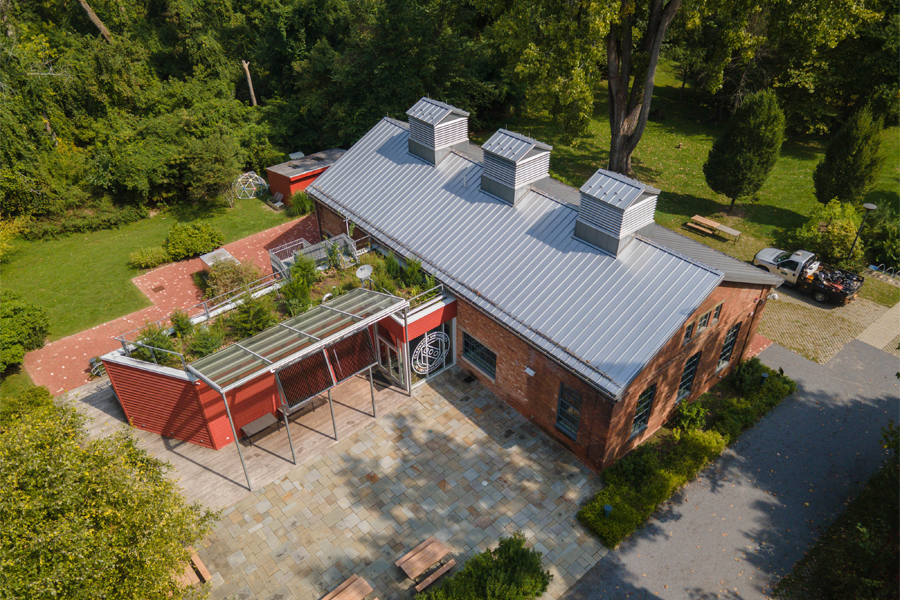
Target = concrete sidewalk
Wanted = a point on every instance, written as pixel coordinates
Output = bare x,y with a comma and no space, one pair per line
741,526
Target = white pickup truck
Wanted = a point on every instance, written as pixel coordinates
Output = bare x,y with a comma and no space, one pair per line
803,271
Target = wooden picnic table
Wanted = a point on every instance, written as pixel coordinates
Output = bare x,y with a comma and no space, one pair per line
355,588
709,227
422,558
732,232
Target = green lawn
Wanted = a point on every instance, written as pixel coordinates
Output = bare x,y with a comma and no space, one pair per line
784,202
83,280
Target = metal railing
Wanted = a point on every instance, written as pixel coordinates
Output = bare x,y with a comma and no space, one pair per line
426,296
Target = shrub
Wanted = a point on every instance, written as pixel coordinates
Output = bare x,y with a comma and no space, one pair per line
182,324
148,258
301,204
636,466
205,341
251,316
508,572
23,327
192,239
385,281
333,251
101,215
881,234
829,232
748,376
296,296
15,406
229,276
689,415
392,266
157,337
412,273
304,270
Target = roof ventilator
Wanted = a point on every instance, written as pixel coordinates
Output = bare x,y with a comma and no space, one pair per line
435,129
613,208
512,162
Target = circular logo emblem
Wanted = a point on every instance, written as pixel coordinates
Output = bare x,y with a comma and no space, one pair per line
429,355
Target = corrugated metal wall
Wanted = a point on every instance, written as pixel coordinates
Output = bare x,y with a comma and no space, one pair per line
513,175
160,404
454,132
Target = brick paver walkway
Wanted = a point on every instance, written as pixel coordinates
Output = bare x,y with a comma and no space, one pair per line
63,365
884,333
455,463
816,331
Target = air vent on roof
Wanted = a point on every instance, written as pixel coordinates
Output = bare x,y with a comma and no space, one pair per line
511,163
613,207
435,129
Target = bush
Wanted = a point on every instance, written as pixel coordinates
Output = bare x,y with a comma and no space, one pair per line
689,415
181,323
148,258
296,297
748,376
412,273
205,341
90,218
300,204
17,405
23,327
157,337
186,240
251,316
829,232
508,572
392,267
304,270
228,276
881,234
852,160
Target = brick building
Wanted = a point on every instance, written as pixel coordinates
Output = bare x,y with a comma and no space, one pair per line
573,306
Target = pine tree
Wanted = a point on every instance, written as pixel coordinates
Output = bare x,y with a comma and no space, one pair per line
742,158
852,160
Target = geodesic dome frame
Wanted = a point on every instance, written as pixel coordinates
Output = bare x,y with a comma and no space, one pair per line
250,185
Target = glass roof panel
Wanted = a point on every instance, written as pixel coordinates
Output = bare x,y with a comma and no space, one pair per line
228,365
362,302
277,343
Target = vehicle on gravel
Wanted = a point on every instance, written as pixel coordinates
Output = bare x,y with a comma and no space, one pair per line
803,270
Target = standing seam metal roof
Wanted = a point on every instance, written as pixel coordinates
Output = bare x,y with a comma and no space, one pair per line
433,112
615,189
603,317
512,146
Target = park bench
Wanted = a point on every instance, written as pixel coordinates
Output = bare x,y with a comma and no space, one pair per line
424,557
354,588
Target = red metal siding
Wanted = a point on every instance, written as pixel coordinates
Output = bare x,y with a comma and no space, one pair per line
160,404
288,186
305,180
279,183
247,403
417,327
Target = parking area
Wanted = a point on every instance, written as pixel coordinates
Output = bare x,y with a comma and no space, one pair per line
454,462
819,331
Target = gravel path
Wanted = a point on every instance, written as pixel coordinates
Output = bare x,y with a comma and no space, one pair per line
737,529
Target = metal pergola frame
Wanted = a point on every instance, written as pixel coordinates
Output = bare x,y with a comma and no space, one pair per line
320,345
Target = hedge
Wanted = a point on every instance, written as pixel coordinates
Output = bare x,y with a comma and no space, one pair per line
192,239
648,476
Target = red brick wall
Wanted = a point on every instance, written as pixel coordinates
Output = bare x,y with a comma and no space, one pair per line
665,370
535,397
330,224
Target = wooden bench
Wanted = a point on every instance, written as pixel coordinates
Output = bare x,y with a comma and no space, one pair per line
355,588
700,228
434,576
729,231
201,569
258,426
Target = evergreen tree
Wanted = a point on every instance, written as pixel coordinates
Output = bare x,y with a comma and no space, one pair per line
742,158
852,160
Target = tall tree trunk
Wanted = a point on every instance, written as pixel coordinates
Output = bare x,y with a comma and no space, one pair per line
96,20
628,112
249,81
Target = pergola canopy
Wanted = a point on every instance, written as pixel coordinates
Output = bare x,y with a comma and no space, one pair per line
295,338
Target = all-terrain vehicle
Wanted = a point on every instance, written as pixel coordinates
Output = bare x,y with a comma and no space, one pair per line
803,270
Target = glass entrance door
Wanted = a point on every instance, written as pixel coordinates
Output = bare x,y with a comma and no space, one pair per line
389,359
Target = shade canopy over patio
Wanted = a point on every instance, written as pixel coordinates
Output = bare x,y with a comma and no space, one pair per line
295,338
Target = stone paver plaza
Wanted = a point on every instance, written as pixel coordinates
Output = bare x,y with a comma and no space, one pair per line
455,463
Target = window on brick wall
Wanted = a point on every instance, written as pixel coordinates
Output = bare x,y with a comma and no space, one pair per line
642,412
479,355
569,410
687,377
717,313
688,333
728,346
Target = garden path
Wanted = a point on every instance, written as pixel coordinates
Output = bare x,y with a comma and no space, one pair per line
63,365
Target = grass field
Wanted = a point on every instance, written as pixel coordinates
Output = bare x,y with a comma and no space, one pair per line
783,203
84,279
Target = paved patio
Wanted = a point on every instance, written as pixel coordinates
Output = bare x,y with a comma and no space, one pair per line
454,462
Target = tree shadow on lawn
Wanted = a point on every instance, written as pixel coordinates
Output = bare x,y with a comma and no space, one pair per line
193,211
688,205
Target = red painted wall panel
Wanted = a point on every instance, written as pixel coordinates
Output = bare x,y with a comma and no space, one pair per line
160,404
419,326
288,186
247,403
